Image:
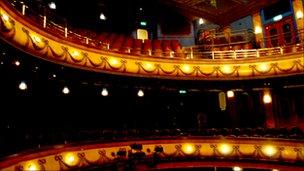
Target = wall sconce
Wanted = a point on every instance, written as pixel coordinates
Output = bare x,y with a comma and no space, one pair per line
299,15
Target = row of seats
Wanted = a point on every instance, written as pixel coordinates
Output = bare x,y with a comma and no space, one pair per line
125,44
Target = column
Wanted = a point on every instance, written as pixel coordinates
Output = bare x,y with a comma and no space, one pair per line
298,12
258,29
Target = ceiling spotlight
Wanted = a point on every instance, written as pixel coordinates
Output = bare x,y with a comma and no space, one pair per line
140,93
23,86
17,63
102,16
52,5
140,8
54,75
65,90
104,92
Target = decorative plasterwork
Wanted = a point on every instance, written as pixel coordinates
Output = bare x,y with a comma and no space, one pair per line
30,39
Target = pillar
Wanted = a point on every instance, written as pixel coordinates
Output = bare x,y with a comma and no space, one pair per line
258,29
298,12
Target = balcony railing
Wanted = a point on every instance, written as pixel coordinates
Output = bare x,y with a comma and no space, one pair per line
58,26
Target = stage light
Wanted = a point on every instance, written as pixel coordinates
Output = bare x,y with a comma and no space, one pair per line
52,5
104,92
230,94
23,86
140,93
65,90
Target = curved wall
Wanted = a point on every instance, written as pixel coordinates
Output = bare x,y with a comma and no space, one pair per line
33,40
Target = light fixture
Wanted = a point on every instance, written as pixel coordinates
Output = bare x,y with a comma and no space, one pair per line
225,149
143,23
140,93
140,8
230,94
201,21
188,149
263,67
22,86
65,90
17,63
236,168
182,92
258,30
267,99
31,167
5,17
277,18
70,159
54,75
269,150
275,170
104,92
102,16
299,14
52,5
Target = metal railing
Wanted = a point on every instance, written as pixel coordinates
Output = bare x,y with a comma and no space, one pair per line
60,28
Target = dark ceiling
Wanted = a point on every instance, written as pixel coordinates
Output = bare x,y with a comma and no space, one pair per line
127,13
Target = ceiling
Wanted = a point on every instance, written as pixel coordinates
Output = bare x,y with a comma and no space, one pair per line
221,12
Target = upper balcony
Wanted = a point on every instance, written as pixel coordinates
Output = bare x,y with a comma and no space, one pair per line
118,54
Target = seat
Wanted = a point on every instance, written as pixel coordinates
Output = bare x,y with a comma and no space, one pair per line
147,47
157,48
137,46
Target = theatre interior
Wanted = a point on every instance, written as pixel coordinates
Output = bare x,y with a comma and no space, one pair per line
152,85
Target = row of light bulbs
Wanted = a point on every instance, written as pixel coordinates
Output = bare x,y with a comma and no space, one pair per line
225,149
23,87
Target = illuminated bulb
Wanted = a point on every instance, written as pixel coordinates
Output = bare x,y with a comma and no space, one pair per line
148,66
52,5
102,16
17,63
65,90
267,98
37,39
236,168
225,149
32,167
70,159
5,17
230,94
75,53
258,30
275,170
104,92
186,68
188,148
140,93
114,62
226,69
269,150
54,75
22,86
277,18
299,14
263,67
201,21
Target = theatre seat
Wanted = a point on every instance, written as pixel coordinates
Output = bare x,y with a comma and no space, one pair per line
147,47
157,48
137,47
127,45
